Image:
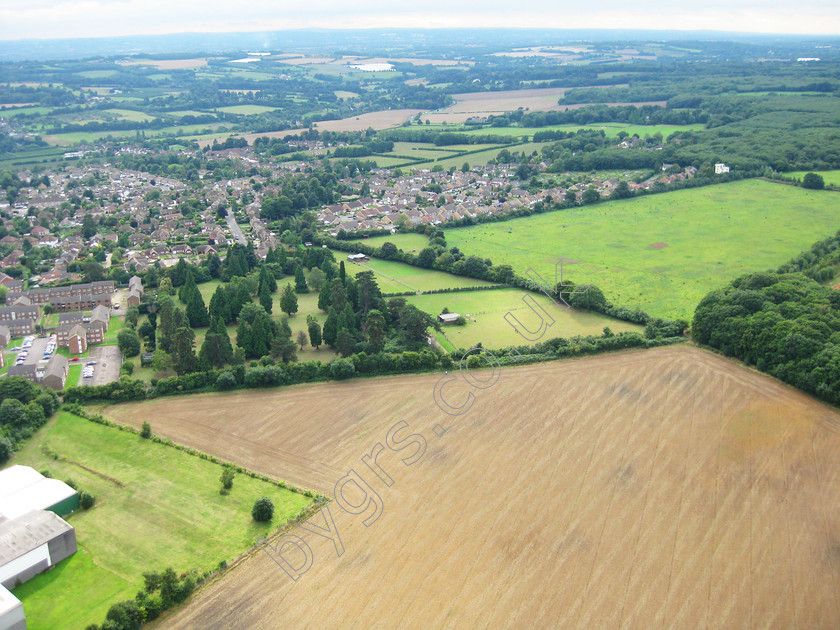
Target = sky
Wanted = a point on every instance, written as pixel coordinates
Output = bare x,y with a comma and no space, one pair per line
50,19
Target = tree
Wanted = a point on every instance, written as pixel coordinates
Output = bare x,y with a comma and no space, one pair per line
622,191
342,274
146,431
6,449
342,368
300,281
196,311
12,413
317,278
288,300
219,307
284,348
256,331
375,326
161,361
324,300
86,500
331,328
265,298
128,342
184,360
88,226
344,342
338,295
227,478
591,195
301,339
125,615
165,286
314,332
813,181
263,510
426,257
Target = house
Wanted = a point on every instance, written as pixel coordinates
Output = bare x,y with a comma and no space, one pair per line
5,336
55,372
447,319
721,168
77,340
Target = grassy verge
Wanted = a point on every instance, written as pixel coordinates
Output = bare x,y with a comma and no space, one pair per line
156,507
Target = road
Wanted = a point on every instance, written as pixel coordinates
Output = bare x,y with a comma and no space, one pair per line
235,229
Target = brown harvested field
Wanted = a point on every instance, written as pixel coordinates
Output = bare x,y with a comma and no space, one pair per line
667,488
384,119
168,64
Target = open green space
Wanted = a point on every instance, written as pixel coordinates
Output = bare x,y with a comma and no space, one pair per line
98,74
20,111
831,178
156,507
130,114
487,324
409,241
246,110
663,252
610,129
410,278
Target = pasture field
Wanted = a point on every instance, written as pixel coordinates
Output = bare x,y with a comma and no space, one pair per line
130,114
410,242
610,129
487,324
831,178
482,157
246,110
663,488
410,278
663,252
156,507
168,64
20,111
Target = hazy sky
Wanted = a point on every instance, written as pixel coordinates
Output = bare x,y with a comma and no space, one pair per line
99,18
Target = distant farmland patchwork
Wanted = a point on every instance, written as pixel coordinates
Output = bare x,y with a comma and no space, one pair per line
665,488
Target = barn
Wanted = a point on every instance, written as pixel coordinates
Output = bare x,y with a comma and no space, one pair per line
23,489
31,544
11,612
447,319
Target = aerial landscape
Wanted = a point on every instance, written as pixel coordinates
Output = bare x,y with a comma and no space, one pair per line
379,318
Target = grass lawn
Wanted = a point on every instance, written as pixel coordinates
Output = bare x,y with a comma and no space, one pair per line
409,278
611,129
663,252
410,242
73,374
156,507
482,157
831,178
114,326
130,114
488,309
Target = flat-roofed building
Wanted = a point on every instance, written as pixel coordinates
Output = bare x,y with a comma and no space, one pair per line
11,611
32,543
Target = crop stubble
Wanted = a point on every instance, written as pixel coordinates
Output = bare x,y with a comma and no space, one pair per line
664,488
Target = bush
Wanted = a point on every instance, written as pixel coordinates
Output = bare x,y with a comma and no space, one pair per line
342,368
226,381
227,478
86,500
128,342
146,431
6,450
263,510
813,181
127,368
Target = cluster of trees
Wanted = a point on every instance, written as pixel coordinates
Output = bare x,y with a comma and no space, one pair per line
785,324
24,407
160,592
298,193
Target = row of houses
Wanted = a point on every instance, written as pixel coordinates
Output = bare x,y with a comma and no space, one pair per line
76,331
72,297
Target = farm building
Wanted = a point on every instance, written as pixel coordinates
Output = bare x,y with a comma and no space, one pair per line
11,611
23,489
357,258
448,318
32,543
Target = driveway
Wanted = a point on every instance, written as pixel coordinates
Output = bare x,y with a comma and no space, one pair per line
107,369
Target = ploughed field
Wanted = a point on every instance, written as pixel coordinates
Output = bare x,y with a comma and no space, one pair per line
667,488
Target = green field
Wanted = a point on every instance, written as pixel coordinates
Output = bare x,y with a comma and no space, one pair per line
710,235
246,110
130,114
482,157
611,129
487,323
410,278
831,178
410,242
19,111
156,507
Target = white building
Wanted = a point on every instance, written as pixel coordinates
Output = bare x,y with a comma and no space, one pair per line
31,544
23,489
11,612
721,168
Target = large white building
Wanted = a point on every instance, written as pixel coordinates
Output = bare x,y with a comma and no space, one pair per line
23,489
11,612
